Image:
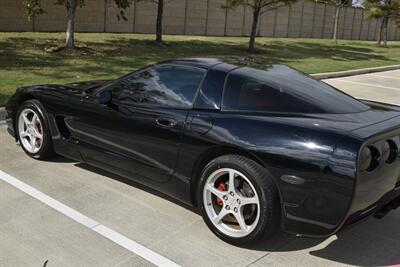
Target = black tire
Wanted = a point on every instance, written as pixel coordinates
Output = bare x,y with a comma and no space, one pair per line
270,214
46,150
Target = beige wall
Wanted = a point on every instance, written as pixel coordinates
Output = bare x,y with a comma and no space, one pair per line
199,17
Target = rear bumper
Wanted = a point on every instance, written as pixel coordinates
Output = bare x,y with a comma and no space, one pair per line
380,209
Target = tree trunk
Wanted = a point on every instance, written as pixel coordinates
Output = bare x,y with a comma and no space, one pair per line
335,29
71,7
379,37
256,15
159,30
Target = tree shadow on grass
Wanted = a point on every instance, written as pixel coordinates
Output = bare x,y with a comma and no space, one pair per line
124,53
287,52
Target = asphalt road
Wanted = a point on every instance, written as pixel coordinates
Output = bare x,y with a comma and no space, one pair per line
32,232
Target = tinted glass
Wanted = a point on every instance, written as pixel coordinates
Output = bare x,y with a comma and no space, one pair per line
168,86
282,89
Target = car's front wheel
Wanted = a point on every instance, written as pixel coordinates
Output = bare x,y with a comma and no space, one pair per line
238,200
32,130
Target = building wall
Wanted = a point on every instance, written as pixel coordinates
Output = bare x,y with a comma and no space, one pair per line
303,19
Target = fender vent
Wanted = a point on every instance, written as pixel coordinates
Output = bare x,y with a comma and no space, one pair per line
62,127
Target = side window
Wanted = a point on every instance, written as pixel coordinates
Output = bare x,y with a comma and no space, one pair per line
168,86
248,94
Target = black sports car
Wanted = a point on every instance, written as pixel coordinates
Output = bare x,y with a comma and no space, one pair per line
252,149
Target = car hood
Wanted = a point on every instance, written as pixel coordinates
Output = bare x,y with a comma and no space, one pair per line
78,89
87,85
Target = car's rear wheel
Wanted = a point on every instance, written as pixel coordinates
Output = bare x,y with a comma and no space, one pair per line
238,200
32,130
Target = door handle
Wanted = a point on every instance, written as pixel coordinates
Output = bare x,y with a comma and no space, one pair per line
166,122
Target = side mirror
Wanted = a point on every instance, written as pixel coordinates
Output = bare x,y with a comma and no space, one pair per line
105,97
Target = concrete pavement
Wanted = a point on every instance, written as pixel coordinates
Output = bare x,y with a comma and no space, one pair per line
381,86
32,233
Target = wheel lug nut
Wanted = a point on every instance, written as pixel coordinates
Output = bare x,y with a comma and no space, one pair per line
235,209
232,194
225,197
227,207
238,201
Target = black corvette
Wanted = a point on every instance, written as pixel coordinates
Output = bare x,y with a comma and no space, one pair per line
252,149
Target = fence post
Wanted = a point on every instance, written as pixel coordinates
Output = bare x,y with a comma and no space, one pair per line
362,25
208,10
352,23
259,25
275,17
105,16
369,29
33,23
135,7
226,21
376,29
313,20
185,20
301,20
344,21
323,23
288,23
244,20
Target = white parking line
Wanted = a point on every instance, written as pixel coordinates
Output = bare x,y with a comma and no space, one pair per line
367,84
106,232
385,77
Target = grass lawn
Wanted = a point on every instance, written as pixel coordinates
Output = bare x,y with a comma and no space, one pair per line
24,61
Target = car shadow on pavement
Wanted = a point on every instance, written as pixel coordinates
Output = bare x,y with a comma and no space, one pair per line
370,243
134,184
60,159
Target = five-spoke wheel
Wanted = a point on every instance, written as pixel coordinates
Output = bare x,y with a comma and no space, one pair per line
231,202
238,199
30,130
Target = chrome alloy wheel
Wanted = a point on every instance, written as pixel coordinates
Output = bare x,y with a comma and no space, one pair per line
231,202
30,131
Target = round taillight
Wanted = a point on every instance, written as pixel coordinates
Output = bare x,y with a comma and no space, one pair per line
365,158
390,151
369,158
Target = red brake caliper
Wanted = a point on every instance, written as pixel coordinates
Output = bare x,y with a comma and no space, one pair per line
221,187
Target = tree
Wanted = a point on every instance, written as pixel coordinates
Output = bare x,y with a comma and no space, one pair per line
33,8
159,22
338,6
259,7
384,10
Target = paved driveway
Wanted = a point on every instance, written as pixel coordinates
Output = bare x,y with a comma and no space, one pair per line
32,233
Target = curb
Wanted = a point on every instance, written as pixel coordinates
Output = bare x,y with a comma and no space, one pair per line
2,114
339,74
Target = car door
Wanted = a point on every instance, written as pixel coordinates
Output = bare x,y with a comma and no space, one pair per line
139,132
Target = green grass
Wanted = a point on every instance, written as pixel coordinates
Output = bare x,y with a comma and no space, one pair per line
24,61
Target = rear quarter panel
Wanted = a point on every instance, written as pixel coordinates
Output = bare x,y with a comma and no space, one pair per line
288,146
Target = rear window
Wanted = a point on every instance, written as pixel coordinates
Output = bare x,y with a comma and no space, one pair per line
282,89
